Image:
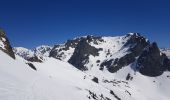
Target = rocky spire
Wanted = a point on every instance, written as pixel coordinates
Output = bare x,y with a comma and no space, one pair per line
152,62
5,44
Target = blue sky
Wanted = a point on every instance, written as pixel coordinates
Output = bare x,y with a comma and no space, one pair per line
30,23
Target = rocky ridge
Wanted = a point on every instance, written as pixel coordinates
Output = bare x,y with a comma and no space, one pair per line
90,53
5,45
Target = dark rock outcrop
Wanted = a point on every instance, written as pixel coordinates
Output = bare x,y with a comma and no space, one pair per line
57,48
114,65
57,53
5,44
137,48
129,77
81,54
112,93
34,59
151,62
166,62
95,79
32,66
136,44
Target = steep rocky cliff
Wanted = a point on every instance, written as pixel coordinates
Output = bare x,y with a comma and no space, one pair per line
5,45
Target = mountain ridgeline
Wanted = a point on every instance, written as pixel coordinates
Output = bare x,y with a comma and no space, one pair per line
5,44
127,67
104,53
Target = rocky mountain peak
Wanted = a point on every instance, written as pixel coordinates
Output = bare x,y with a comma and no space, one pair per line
136,38
5,44
81,53
111,53
43,50
137,43
152,62
134,34
66,50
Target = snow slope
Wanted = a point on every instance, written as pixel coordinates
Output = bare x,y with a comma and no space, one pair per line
112,48
57,80
139,87
20,82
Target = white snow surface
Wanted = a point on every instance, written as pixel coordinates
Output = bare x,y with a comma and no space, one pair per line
54,80
58,80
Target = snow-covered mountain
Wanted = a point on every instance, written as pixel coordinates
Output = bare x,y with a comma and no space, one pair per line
93,54
166,51
87,68
38,54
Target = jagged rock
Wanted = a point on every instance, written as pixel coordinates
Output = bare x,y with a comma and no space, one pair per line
129,77
32,66
34,59
55,52
151,62
132,46
62,51
115,65
94,39
112,93
71,43
82,49
136,44
166,62
81,54
95,79
5,44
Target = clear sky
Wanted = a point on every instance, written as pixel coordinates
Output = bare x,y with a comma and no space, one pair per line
30,23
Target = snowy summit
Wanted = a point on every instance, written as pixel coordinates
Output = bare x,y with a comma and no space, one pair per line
125,67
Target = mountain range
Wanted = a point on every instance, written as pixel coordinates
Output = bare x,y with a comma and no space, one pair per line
127,67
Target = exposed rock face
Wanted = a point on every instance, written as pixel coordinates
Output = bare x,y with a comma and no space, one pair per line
35,59
166,62
81,54
114,65
136,43
5,44
77,52
151,62
65,51
57,50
